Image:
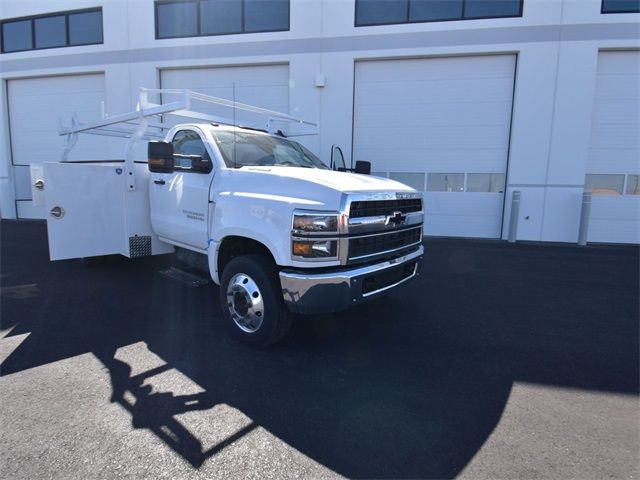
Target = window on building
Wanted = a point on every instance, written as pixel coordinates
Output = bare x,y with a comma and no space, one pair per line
62,29
604,184
16,36
192,18
218,17
414,180
485,182
633,185
620,6
445,182
266,15
176,19
386,12
466,182
50,32
85,28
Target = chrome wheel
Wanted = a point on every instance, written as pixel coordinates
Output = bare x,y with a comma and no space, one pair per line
245,303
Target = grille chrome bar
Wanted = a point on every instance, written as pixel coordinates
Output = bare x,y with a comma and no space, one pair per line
382,224
386,252
383,243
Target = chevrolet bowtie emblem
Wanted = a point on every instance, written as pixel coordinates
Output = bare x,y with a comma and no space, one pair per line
396,218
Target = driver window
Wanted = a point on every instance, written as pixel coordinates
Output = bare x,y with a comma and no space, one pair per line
190,152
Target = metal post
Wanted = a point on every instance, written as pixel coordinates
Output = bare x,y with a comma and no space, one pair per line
585,214
515,213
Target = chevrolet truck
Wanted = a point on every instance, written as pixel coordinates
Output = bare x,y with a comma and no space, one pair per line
279,231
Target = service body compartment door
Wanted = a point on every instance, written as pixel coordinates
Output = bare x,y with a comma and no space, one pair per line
85,211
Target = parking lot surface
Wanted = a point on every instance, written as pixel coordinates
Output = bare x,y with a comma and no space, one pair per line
500,361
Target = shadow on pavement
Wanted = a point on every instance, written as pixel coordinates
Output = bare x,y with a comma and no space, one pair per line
405,387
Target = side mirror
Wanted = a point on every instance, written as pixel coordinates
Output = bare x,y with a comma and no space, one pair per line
337,159
160,157
201,164
363,167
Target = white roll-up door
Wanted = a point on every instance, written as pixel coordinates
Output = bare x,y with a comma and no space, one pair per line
440,125
613,166
265,86
36,107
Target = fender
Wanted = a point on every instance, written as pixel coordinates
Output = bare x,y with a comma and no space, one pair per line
265,221
214,248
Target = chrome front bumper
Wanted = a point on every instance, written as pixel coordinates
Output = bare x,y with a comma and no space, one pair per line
327,292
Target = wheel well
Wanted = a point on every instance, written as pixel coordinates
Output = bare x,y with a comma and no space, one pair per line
234,246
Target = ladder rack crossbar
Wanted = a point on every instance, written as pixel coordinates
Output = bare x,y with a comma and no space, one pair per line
231,104
124,117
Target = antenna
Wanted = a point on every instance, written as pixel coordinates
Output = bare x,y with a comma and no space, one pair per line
235,164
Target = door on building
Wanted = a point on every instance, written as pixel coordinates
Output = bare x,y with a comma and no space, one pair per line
442,126
36,106
613,165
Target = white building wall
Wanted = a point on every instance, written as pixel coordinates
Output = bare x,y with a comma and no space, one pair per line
556,42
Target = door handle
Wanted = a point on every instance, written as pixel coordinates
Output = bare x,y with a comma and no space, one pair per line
159,182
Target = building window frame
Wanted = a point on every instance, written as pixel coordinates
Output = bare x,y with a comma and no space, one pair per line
199,33
32,20
409,21
603,11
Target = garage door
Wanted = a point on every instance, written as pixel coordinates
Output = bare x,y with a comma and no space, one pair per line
265,86
36,105
613,167
442,126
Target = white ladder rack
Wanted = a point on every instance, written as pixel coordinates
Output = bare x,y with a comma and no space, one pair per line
134,125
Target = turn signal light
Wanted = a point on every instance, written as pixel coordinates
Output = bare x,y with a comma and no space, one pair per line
314,248
302,249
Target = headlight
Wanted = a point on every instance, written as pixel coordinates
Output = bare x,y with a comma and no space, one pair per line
314,248
315,223
310,231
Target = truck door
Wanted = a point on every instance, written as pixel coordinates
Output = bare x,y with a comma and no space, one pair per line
180,199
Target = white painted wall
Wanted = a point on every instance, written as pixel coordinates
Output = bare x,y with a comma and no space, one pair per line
557,43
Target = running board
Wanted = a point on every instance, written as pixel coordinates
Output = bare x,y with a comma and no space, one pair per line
189,276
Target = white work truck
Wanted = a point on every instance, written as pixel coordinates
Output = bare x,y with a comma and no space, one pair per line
280,232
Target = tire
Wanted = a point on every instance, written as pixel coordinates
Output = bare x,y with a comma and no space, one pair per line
251,301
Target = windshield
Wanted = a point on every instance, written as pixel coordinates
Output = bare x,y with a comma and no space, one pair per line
244,149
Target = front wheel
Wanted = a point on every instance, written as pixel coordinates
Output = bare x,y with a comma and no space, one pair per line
251,301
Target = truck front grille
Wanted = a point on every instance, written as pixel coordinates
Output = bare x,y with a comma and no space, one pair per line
371,245
374,208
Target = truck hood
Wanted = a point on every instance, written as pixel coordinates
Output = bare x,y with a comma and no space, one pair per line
309,188
339,181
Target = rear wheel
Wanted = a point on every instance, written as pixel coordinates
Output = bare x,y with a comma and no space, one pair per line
251,300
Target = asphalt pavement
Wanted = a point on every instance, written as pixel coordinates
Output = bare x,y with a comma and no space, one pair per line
500,361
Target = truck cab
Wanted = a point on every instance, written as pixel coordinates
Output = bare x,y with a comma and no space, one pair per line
244,197
282,233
